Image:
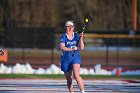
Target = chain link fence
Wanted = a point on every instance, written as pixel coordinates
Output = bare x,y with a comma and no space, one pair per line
40,48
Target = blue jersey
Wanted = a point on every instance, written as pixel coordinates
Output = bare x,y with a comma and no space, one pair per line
68,58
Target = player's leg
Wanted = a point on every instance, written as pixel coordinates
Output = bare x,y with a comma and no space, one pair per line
68,76
76,70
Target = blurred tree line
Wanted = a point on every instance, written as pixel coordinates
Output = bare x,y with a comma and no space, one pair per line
104,14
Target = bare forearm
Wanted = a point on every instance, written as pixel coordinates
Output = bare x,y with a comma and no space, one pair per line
81,44
65,48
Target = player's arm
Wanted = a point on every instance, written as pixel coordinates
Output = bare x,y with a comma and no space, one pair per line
81,43
62,47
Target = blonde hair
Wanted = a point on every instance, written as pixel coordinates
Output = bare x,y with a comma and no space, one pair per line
69,23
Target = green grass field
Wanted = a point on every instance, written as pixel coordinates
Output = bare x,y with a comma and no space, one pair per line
44,76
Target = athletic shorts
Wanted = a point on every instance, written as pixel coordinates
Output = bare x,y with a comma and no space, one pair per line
67,65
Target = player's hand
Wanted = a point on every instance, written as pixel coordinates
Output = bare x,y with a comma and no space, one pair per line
75,48
81,34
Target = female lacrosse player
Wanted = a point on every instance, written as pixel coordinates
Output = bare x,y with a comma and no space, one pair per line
70,44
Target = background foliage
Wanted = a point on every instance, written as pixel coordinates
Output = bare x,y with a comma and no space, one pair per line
105,14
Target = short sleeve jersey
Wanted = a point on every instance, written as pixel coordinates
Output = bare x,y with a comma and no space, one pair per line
70,44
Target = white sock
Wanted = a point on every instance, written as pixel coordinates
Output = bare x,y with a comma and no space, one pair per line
82,91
